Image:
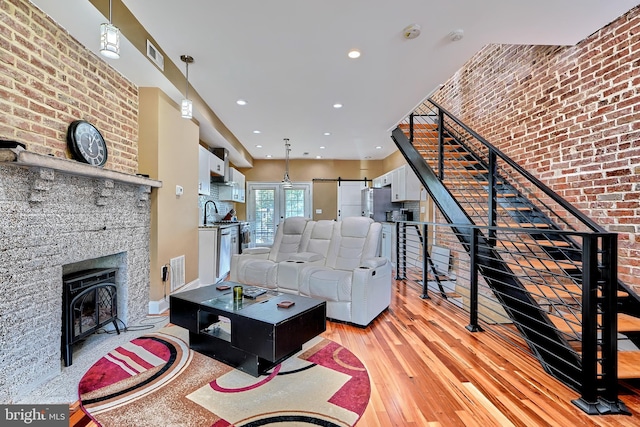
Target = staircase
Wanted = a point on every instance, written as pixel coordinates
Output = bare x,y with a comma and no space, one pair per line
552,269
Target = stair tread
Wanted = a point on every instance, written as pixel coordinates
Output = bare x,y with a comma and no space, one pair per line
572,292
546,242
628,364
418,126
548,264
524,225
626,323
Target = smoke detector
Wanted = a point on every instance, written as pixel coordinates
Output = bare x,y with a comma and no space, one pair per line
456,35
411,32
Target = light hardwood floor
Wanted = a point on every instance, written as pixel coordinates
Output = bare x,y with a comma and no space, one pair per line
426,369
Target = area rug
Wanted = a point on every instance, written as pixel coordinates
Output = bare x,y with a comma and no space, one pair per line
156,380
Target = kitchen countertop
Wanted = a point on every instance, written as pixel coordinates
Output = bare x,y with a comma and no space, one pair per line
220,225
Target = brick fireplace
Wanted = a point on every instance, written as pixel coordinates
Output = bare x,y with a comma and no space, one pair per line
58,213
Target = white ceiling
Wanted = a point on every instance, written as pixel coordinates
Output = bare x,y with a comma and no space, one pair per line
288,59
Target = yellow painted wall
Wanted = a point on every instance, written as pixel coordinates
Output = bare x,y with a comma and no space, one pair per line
325,195
168,151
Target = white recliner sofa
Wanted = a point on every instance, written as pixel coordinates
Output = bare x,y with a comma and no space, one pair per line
336,261
259,265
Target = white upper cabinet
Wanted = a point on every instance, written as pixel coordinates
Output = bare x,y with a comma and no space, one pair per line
216,165
204,172
404,184
234,191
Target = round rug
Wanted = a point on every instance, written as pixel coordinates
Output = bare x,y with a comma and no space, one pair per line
156,380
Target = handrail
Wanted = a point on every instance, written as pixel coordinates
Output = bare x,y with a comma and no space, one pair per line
549,192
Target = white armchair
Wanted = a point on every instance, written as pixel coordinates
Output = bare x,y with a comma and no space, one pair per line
258,266
354,280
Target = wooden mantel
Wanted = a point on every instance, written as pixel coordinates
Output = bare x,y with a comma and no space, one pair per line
20,157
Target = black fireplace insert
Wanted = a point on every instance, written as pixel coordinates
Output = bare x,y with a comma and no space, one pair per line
89,302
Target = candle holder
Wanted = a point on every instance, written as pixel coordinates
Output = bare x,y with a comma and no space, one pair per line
237,293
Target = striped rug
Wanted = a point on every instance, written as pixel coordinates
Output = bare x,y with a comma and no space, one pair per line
156,380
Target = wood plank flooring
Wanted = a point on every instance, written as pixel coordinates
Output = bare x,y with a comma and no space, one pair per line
426,369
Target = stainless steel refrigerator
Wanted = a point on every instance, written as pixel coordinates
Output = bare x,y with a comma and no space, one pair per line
376,202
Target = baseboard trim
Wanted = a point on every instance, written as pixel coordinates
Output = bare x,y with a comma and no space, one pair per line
159,307
162,305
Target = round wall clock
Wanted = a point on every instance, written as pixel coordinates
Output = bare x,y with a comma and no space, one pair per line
86,143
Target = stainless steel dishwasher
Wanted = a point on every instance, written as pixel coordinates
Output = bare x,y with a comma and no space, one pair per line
224,252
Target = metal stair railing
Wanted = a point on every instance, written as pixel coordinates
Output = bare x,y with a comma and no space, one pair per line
534,242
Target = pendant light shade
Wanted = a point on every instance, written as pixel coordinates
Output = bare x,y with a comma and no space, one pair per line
187,105
187,109
286,181
109,39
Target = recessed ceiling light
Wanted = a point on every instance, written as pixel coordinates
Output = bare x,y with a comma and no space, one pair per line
258,146
353,54
256,131
338,105
327,133
322,147
378,147
268,156
318,157
241,102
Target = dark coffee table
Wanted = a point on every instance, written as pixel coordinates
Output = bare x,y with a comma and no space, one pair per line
252,335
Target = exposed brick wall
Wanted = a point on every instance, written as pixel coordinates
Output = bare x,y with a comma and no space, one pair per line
48,79
571,117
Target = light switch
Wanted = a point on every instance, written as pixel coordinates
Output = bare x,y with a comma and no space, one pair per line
421,209
318,211
179,190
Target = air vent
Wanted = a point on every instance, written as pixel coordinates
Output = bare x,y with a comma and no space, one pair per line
155,56
177,272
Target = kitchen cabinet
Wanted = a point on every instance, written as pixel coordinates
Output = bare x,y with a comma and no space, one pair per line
234,191
204,173
404,185
386,241
382,180
208,255
235,240
216,165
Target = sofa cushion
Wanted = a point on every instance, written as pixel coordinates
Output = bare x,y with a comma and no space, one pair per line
326,283
260,272
351,237
287,238
318,239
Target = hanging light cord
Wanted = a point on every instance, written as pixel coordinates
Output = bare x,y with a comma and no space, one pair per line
286,159
186,92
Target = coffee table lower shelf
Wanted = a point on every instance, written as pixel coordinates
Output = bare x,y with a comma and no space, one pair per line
239,359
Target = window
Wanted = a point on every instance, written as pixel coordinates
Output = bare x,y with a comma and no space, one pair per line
269,204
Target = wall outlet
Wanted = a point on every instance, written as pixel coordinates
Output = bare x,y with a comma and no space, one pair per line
318,211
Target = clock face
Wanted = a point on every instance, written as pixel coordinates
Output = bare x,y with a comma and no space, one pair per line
86,143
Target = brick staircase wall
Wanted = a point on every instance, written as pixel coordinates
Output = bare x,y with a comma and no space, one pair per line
570,115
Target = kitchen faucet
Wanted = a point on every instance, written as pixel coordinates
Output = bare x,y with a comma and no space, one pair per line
204,221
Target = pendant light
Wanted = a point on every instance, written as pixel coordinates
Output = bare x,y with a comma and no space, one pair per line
286,182
187,105
109,39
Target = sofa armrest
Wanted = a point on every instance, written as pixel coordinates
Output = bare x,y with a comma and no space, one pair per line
262,250
306,256
374,262
370,292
